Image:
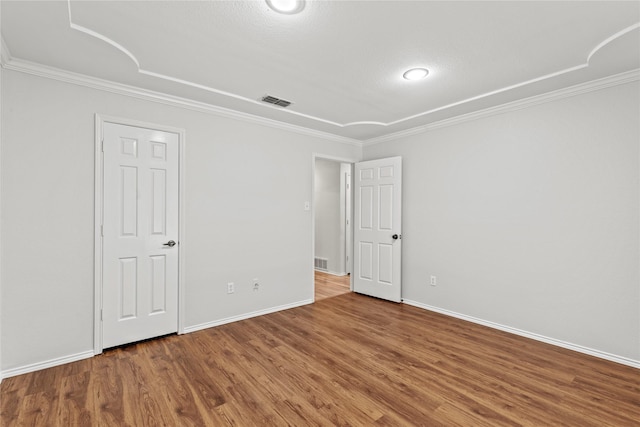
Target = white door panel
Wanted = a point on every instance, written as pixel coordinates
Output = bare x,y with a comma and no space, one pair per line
140,215
378,228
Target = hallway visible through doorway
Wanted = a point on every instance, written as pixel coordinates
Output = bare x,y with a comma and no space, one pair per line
328,285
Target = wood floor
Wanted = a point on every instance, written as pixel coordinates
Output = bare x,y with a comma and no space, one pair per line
345,360
328,285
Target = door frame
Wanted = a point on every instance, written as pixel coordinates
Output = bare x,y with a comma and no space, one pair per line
352,161
348,210
100,120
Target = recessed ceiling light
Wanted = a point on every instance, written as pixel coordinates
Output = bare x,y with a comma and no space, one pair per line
288,7
416,74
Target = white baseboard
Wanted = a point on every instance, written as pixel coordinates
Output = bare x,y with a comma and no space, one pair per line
46,364
575,347
333,273
231,319
596,353
87,354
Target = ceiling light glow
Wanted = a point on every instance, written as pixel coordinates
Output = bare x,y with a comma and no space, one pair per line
416,74
288,7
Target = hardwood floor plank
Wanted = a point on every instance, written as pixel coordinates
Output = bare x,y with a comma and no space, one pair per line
72,409
12,395
326,391
37,409
345,360
179,395
107,387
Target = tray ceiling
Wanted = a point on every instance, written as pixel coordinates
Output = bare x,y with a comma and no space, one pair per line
340,63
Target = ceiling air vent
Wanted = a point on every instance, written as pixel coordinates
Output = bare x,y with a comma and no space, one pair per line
275,101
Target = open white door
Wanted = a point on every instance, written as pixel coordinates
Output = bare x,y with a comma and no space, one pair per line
140,228
378,228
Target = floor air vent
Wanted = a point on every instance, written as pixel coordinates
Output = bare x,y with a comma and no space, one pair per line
275,101
320,263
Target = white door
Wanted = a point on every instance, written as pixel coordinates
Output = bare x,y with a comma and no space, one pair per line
378,228
140,227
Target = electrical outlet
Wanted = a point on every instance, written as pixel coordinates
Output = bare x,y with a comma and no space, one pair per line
256,285
433,281
231,287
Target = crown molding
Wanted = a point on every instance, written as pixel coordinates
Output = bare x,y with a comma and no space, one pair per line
10,63
140,70
579,89
16,64
520,84
40,70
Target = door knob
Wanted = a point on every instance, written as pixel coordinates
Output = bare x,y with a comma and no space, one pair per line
170,243
395,237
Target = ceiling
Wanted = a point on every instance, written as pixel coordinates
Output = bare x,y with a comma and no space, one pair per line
340,63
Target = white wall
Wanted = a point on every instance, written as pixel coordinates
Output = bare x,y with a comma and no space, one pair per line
1,53
246,185
327,214
530,219
329,211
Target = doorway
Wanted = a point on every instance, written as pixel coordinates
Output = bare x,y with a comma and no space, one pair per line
332,217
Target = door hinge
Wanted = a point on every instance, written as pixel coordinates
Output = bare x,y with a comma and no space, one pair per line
101,315
102,230
102,145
